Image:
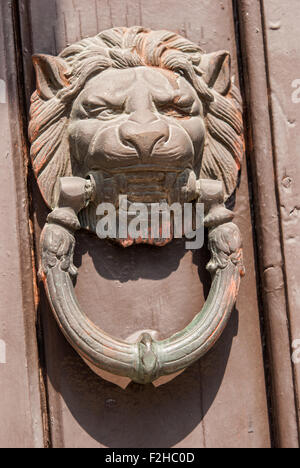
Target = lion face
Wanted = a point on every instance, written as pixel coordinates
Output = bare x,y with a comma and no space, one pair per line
144,113
145,124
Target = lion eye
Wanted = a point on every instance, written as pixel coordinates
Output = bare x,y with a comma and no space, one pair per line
109,112
175,111
103,112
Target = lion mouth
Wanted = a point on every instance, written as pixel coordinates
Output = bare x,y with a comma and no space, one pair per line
145,186
149,187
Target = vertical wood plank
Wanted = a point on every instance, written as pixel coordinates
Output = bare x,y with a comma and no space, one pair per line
209,405
271,257
20,404
283,55
50,25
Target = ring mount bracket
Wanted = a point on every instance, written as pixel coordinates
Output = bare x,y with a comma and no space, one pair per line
131,151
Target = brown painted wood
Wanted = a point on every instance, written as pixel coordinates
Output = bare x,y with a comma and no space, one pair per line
282,53
20,403
271,257
220,401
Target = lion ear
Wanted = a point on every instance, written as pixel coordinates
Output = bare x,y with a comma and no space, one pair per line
216,69
51,75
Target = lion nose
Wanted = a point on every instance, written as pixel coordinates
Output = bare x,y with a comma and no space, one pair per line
144,133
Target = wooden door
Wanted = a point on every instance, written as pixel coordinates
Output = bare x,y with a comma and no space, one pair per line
243,393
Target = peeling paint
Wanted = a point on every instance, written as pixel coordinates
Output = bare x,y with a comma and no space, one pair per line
275,26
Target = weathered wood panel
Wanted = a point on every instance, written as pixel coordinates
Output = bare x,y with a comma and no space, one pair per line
267,223
20,405
283,58
220,401
269,178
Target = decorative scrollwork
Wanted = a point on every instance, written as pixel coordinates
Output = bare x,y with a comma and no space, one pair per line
58,244
225,244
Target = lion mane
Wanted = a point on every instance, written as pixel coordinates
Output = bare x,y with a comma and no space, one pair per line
122,48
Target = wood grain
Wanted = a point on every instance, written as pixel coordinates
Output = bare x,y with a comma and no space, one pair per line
220,401
283,52
271,259
20,403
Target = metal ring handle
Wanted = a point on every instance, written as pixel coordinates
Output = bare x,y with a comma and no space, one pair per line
147,359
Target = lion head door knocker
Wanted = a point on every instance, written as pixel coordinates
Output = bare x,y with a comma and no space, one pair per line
149,115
